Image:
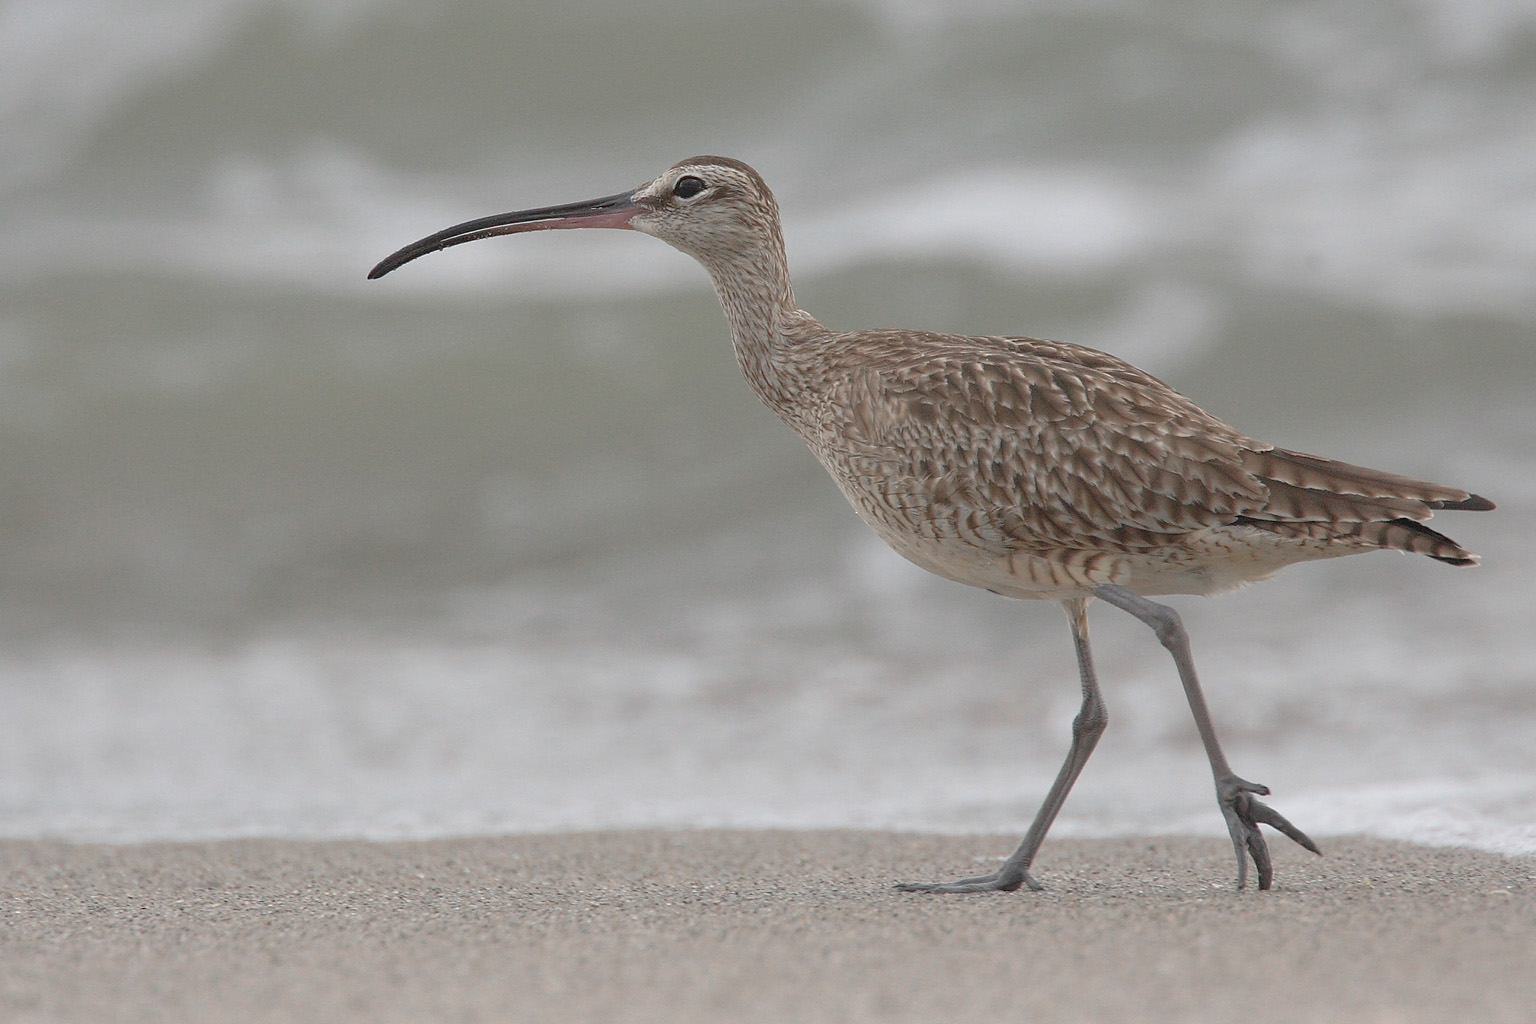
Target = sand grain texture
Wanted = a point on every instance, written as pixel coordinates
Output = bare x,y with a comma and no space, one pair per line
756,926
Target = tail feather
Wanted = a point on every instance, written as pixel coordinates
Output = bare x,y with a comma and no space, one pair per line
1407,535
1412,536
1319,499
1315,473
1303,504
1471,503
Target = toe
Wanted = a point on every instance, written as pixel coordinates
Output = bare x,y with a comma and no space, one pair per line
1244,813
997,881
1255,812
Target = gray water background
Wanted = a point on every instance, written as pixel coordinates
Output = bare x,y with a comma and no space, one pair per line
503,542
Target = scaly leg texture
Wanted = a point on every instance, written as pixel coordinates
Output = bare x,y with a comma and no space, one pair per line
1237,797
1086,730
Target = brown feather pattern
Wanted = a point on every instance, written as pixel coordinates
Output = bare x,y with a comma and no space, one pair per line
1022,445
1032,467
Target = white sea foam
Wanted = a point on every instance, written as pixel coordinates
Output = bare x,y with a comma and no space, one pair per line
1292,207
779,708
416,742
1015,219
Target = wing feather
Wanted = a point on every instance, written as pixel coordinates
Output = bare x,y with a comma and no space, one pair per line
1029,444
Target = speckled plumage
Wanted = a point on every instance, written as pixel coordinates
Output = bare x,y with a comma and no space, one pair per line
1035,469
1039,469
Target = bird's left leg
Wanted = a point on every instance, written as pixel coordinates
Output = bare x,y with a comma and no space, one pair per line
1087,727
1238,798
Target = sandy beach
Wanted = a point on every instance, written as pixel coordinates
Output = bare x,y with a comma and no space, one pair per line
755,926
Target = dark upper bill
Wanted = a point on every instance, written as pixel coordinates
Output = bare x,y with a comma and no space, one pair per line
608,212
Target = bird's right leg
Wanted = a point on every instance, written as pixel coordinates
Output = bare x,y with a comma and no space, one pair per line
1087,727
1238,798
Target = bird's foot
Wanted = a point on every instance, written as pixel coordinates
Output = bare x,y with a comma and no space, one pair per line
1004,879
1245,813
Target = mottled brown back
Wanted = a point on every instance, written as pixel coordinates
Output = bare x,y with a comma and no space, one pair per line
1037,444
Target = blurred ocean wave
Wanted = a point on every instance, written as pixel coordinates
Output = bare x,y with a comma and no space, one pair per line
235,474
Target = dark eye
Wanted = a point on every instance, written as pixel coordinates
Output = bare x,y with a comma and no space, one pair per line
688,186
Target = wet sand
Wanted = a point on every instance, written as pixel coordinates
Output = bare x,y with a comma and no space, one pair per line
757,926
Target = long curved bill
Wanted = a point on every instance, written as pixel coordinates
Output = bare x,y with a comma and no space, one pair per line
608,212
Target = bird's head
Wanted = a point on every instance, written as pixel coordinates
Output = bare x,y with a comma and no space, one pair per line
715,209
711,207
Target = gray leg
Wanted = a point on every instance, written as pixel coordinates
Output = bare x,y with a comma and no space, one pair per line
1238,798
1086,730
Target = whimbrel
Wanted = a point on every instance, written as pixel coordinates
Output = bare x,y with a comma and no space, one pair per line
1033,469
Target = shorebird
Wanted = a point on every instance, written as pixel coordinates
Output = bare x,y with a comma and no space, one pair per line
1033,469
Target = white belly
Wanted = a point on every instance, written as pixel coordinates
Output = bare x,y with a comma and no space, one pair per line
1203,562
